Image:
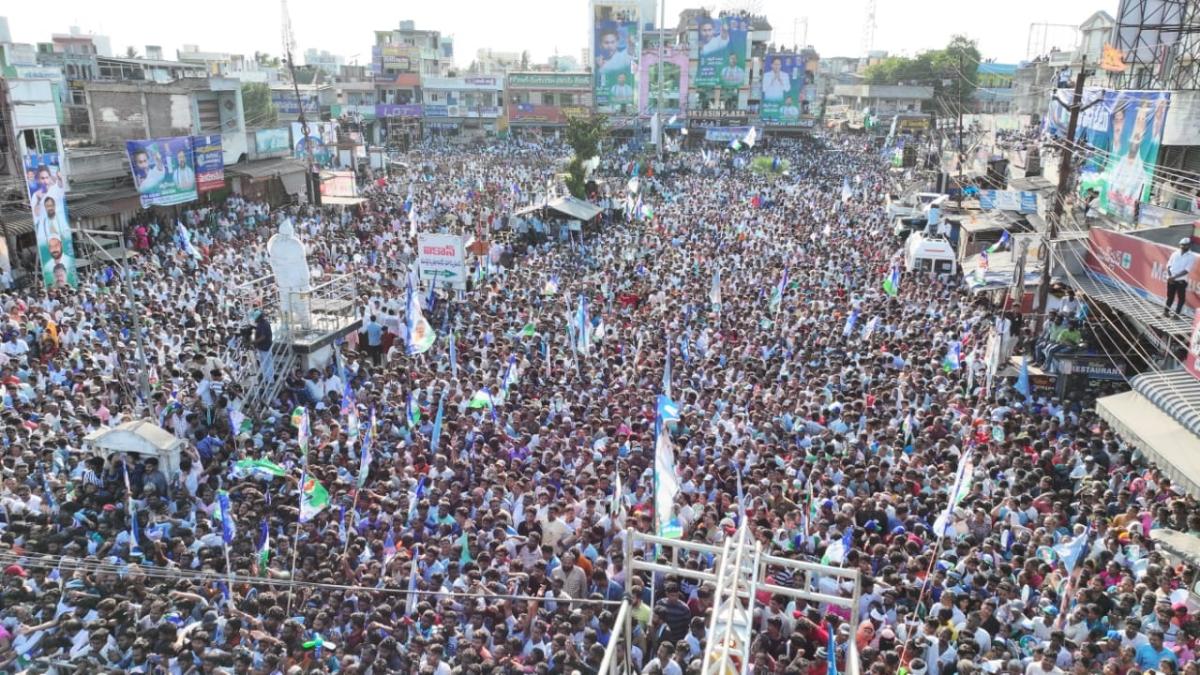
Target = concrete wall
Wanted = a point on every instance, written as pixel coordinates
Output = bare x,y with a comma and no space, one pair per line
122,112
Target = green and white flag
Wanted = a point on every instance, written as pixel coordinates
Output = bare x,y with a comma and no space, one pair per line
314,498
258,468
481,399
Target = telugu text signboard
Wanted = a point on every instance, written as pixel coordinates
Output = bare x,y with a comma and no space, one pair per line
210,163
441,259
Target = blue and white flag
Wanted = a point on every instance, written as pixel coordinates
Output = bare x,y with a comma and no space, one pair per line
851,321
668,411
846,191
1023,386
714,292
228,530
666,382
453,356
364,461
1071,550
436,435
582,328
183,237
510,373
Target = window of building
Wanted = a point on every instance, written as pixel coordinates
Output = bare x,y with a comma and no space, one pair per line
547,98
566,99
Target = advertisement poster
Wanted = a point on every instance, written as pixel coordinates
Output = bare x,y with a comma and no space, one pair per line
270,141
722,47
783,79
440,259
210,163
1126,129
338,184
321,138
674,66
163,170
48,202
616,45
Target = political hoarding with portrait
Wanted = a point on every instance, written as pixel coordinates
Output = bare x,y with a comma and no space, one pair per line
617,48
47,189
783,80
722,52
1126,129
164,170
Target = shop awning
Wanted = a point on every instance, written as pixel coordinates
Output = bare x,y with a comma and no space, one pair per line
1127,302
267,168
342,201
1164,441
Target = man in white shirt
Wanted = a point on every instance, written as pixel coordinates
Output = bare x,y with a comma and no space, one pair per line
1179,266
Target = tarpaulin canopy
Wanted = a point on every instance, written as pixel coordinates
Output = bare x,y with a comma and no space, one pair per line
1179,544
567,206
139,437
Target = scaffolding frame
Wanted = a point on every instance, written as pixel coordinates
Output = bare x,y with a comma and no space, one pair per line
739,570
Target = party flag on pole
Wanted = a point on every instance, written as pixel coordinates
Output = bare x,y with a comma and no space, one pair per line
891,285
420,334
264,547
313,499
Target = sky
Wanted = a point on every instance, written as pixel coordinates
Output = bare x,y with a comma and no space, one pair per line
543,27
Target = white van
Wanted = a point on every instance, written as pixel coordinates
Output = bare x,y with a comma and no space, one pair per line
929,253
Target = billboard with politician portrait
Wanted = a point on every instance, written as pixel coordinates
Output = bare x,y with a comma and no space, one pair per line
322,140
617,47
47,187
722,52
783,82
164,170
1126,129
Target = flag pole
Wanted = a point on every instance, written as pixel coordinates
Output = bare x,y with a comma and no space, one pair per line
296,534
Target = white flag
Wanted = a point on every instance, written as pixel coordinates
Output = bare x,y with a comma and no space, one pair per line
666,485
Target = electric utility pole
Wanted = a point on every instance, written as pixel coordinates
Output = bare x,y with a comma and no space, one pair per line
961,157
313,180
1064,185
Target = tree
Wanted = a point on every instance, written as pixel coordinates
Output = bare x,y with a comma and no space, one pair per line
256,102
265,59
952,72
583,135
525,60
131,52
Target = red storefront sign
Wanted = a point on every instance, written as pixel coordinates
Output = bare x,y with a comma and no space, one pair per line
1131,262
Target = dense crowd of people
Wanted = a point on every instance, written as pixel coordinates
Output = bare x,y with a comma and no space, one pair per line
839,418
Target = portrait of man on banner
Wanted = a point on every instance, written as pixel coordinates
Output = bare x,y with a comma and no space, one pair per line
48,204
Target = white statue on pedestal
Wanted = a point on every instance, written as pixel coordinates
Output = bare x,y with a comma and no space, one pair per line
290,265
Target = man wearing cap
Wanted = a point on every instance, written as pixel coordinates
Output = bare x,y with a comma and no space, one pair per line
1179,266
